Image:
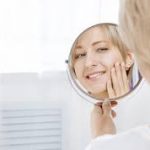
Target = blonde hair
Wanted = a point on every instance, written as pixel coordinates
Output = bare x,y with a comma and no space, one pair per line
135,28
111,31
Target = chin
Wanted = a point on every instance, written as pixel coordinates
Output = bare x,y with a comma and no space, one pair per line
99,89
98,93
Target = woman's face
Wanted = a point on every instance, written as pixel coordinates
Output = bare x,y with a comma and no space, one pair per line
94,57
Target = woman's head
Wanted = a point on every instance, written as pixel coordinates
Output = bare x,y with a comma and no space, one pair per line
94,53
135,30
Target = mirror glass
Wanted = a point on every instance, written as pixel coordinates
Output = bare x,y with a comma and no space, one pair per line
101,66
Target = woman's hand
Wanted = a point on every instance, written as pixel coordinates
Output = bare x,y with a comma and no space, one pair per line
118,84
102,119
102,114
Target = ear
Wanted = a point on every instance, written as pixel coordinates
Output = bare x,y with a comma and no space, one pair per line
129,60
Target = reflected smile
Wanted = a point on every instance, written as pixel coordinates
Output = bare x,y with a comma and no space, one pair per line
95,75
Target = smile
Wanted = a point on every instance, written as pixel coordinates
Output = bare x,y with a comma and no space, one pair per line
95,75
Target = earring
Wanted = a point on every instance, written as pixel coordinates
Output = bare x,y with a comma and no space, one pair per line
129,64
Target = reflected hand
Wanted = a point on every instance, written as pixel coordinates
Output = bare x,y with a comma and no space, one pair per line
102,119
118,84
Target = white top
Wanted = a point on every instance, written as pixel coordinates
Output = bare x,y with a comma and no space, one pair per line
134,139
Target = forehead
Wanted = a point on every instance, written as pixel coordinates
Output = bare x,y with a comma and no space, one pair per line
92,35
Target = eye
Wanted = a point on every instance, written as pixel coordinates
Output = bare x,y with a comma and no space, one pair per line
77,56
102,49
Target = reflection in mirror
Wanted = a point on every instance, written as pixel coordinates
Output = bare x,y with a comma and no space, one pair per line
100,65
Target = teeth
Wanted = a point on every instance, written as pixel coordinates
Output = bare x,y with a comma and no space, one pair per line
95,75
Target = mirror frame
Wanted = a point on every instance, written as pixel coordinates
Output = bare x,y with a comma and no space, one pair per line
77,86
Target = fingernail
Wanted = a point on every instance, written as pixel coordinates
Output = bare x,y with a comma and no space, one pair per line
99,104
114,102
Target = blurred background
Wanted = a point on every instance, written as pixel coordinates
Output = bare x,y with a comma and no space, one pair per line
39,110
36,35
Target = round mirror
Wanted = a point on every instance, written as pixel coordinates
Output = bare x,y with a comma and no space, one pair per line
101,66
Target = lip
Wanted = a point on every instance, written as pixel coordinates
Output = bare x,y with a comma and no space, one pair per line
94,75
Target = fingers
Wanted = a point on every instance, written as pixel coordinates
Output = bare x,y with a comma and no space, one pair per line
113,113
118,69
113,103
119,84
111,92
125,78
101,122
97,109
115,82
106,106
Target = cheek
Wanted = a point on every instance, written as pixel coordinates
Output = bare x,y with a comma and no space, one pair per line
78,67
110,60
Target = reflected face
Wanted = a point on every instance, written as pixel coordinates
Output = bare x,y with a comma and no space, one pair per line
94,56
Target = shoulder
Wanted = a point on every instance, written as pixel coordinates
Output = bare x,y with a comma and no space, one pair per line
134,138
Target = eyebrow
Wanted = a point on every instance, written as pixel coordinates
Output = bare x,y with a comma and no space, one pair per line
93,44
78,47
97,42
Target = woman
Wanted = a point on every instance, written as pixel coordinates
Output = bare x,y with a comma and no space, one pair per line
101,62
135,29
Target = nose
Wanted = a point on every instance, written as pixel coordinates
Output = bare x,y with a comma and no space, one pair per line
91,60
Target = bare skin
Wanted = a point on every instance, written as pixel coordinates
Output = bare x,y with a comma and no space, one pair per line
102,115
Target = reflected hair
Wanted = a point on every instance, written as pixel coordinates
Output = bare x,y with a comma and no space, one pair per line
111,31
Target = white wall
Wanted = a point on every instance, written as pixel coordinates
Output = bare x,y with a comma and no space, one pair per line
54,88
109,11
134,110
36,35
31,89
